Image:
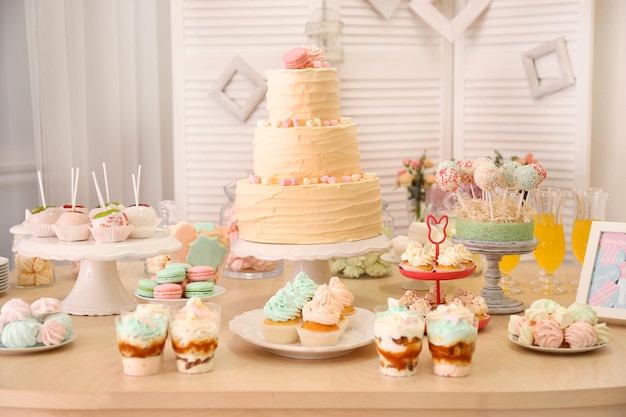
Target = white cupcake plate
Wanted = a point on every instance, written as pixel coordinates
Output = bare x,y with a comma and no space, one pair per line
248,327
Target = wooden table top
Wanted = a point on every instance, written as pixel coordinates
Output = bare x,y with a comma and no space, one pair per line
85,377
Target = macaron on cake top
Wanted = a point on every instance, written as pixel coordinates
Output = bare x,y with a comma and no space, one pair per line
171,274
200,273
145,287
199,289
309,56
168,291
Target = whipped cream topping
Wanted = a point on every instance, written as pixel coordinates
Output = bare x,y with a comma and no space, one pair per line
323,308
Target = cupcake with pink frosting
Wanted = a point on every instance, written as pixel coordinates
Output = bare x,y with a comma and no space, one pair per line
341,292
321,318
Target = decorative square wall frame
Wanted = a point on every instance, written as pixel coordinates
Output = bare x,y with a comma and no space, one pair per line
238,65
449,29
602,281
539,88
385,8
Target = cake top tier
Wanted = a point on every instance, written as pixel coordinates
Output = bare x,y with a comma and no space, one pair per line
305,88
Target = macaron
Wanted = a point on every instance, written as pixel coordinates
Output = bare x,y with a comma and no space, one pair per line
296,58
183,265
171,274
145,287
200,273
168,291
199,289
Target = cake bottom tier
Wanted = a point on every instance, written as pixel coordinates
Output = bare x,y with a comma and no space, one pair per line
309,214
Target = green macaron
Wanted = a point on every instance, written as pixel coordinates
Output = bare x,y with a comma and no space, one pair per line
145,287
199,289
171,275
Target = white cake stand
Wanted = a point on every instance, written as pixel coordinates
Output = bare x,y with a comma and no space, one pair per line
98,290
312,259
492,292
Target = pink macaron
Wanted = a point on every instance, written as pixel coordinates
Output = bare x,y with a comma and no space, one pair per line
168,291
200,273
296,58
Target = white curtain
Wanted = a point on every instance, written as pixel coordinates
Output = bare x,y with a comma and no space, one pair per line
100,80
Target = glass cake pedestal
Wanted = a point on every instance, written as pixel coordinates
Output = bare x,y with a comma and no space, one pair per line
492,292
98,290
311,259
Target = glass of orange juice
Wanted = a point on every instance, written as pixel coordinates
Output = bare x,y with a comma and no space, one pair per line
550,250
590,206
507,265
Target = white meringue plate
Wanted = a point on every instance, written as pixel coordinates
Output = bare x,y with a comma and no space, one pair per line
36,348
248,327
513,339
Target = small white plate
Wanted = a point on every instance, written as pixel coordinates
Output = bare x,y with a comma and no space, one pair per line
37,348
390,257
513,339
217,290
248,327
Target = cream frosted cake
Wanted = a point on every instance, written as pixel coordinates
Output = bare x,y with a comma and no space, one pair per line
500,214
307,185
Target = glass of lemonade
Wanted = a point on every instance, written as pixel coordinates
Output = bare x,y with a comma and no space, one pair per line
550,250
590,207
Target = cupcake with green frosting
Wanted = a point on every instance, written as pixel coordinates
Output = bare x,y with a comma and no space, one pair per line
282,316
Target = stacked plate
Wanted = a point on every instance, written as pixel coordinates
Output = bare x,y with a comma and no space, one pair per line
4,274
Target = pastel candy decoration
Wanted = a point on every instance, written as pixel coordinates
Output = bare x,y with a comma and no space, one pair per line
466,171
488,177
448,178
526,178
508,172
541,171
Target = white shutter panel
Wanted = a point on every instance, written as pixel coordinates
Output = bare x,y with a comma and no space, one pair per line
494,108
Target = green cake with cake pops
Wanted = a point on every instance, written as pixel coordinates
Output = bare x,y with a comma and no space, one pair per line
498,213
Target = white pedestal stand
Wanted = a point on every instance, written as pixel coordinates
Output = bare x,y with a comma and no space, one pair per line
492,292
312,259
98,290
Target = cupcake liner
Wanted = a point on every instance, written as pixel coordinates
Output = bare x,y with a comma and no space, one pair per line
39,229
110,234
72,233
282,334
407,267
318,339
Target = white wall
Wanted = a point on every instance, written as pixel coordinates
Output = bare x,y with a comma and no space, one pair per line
608,150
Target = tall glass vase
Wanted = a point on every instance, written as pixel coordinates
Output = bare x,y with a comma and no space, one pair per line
416,204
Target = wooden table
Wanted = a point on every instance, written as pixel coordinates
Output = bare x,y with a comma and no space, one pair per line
84,378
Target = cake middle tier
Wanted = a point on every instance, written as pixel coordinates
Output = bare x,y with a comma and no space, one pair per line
306,152
309,214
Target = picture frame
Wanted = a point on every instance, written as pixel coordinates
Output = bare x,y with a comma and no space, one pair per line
602,281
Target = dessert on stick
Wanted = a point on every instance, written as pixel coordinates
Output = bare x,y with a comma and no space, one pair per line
73,225
142,216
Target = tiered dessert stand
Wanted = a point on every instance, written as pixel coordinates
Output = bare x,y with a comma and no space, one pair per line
493,294
312,259
437,276
98,290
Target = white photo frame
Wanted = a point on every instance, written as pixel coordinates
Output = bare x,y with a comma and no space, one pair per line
602,281
238,65
385,8
539,88
449,29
